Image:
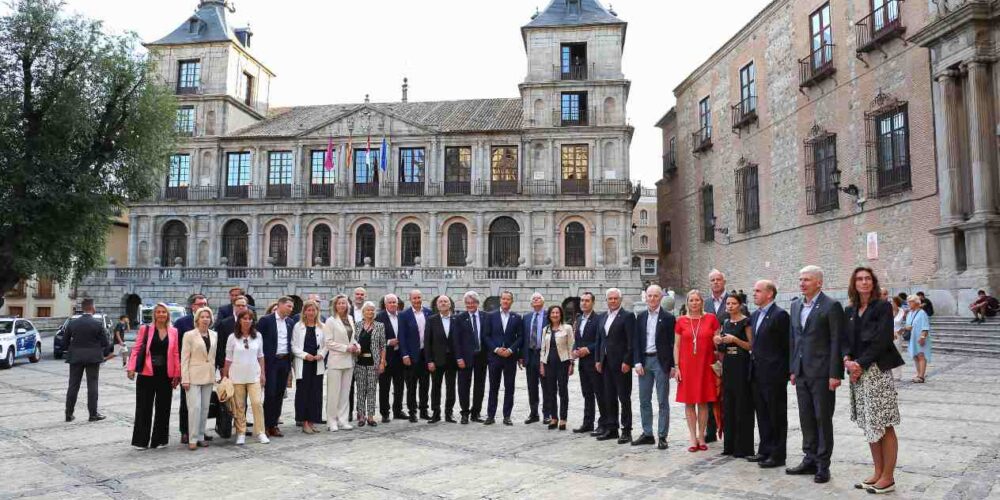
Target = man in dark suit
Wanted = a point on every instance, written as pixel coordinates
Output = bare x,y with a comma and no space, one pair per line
226,327
447,350
817,367
474,378
617,329
769,374
653,346
534,322
412,328
229,310
276,334
393,373
184,325
716,304
586,332
87,345
503,339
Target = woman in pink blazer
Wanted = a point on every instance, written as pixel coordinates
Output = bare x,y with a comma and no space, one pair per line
155,357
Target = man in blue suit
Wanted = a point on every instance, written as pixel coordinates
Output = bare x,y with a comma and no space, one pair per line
534,322
276,333
412,328
474,379
503,340
617,329
587,333
393,374
769,374
447,351
653,346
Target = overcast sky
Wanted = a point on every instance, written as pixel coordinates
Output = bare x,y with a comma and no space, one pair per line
338,51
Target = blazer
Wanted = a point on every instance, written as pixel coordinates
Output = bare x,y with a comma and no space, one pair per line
496,336
526,320
223,329
197,363
86,341
378,342
664,339
225,311
146,333
392,354
484,324
298,347
616,342
818,346
870,336
589,337
565,341
338,339
268,328
409,335
440,349
769,348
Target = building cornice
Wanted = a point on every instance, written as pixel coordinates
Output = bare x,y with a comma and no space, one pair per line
945,25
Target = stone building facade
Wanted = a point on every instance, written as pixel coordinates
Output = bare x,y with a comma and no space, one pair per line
645,252
523,193
806,139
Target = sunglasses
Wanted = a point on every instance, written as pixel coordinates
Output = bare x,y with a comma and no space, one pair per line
246,344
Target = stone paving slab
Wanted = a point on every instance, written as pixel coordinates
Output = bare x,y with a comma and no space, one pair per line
949,448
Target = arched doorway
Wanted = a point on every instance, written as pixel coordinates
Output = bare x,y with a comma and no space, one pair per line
296,304
364,245
571,309
235,236
491,304
174,244
575,245
278,246
505,243
321,244
458,245
409,245
132,303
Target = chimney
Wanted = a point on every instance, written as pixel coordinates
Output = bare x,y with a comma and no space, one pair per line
406,88
244,35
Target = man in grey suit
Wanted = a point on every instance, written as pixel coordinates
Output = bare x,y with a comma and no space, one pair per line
87,345
817,367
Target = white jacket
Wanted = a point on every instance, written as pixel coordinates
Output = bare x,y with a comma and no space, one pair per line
337,343
298,343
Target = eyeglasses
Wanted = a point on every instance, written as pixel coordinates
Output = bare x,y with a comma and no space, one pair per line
246,343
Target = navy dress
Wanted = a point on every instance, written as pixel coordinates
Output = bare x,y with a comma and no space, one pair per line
309,388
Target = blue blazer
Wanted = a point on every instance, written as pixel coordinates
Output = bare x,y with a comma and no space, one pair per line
496,336
664,338
409,335
526,323
268,328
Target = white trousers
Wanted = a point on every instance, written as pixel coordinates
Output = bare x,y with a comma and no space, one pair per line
338,394
199,397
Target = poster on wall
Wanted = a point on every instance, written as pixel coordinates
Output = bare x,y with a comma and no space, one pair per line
872,246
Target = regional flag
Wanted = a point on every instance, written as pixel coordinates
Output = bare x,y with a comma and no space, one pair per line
328,160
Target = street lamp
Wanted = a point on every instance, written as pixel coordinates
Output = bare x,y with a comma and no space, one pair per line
851,190
723,230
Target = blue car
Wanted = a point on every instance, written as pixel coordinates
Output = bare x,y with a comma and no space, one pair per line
18,339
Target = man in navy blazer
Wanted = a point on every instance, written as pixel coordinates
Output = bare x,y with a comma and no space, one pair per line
817,368
393,373
474,379
653,346
447,351
503,339
276,335
617,329
412,332
769,374
586,332
534,322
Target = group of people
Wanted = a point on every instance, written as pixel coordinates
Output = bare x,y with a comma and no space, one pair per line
732,368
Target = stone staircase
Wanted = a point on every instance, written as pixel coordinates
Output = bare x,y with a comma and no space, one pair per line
956,335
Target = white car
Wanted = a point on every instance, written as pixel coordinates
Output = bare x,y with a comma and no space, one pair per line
18,339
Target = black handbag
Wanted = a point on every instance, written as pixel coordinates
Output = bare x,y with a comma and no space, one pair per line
140,359
223,418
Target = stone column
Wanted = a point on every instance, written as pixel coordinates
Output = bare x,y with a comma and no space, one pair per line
553,243
191,259
528,240
480,258
388,254
430,259
982,139
133,241
214,240
254,259
625,245
599,261
296,244
342,239
949,149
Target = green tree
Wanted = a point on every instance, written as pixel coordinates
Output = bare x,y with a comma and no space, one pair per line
83,129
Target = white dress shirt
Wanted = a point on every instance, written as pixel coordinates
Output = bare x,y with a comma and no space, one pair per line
611,319
807,308
718,304
651,319
394,321
418,314
358,316
504,317
282,335
446,321
760,317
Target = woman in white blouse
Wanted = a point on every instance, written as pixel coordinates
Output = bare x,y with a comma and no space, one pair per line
342,346
245,369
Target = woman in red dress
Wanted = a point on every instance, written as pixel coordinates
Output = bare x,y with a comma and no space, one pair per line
694,351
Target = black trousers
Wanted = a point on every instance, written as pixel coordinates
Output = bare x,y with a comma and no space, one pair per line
816,405
771,405
618,393
448,373
350,411
152,410
737,411
506,368
465,387
556,382
712,428
417,380
592,387
531,364
274,390
392,376
478,374
76,372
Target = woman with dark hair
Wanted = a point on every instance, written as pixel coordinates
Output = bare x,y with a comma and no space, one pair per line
556,366
156,360
870,358
737,406
245,369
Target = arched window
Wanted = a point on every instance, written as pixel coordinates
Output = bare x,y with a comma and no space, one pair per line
321,246
458,245
234,243
364,245
505,242
643,218
409,245
278,248
644,242
576,245
174,243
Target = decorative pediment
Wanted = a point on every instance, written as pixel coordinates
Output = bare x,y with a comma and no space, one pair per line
883,103
364,120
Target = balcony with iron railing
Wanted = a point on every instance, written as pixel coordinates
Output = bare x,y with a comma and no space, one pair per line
457,187
817,66
366,189
744,112
18,292
881,25
503,188
701,140
669,163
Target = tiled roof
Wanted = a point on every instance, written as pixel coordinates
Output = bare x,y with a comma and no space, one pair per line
473,115
211,27
573,13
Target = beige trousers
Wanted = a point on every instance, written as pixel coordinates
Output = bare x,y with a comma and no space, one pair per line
240,399
338,394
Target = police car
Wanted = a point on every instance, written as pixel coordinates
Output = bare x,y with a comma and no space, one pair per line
19,339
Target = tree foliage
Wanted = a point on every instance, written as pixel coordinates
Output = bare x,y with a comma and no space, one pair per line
84,127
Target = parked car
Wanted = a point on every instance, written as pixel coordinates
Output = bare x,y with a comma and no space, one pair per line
59,348
19,339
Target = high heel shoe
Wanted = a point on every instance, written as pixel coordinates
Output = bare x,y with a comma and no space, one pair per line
562,426
553,424
703,447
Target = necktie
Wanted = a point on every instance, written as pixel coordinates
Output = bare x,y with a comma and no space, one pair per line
534,335
475,330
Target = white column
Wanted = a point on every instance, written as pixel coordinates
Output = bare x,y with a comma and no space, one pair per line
982,139
388,257
342,239
528,240
553,239
429,259
599,240
625,245
480,259
214,240
133,241
254,259
296,244
191,259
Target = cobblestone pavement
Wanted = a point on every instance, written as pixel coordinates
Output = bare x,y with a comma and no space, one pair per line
949,448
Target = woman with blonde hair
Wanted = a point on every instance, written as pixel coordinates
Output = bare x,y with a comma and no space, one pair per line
156,361
371,339
694,350
198,374
309,348
342,346
918,325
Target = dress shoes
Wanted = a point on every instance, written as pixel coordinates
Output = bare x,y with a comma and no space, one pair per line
508,421
598,432
803,469
662,445
70,417
489,421
450,419
97,417
756,458
433,420
465,419
583,429
532,419
385,419
208,438
424,416
477,419
770,463
823,476
608,435
400,416
644,440
626,437
413,418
